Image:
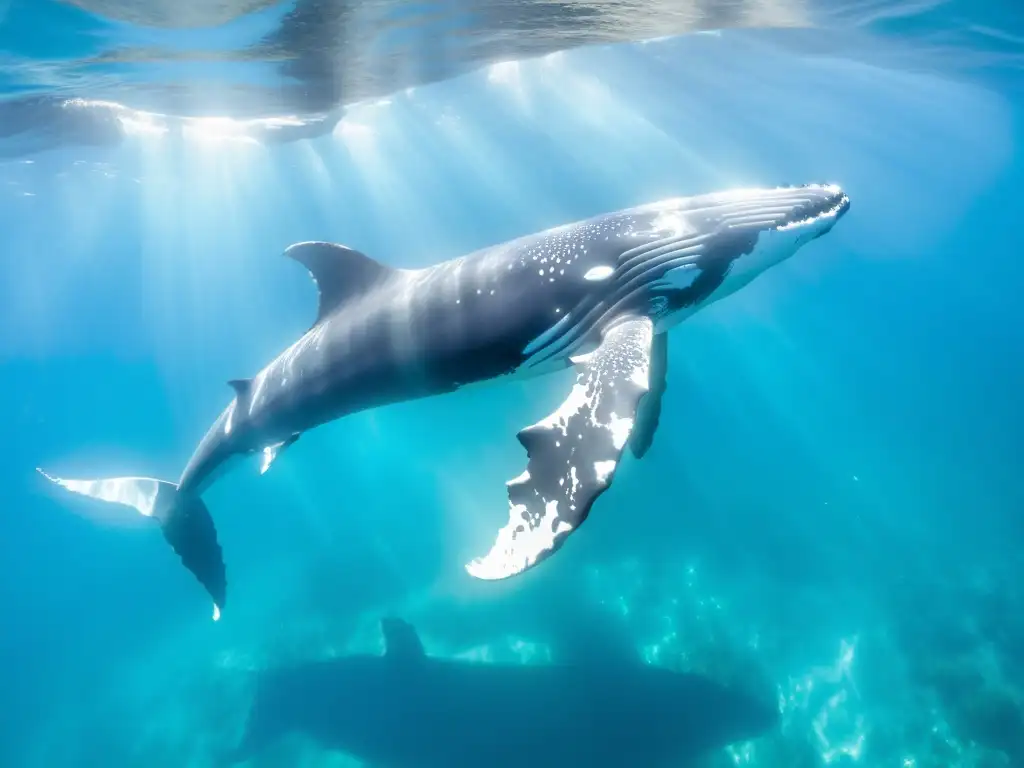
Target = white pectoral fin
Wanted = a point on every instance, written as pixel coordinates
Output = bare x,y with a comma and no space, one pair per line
270,453
573,453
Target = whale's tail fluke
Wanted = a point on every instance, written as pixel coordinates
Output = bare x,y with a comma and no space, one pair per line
183,518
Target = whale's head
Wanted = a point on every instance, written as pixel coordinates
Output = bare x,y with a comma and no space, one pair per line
692,251
668,259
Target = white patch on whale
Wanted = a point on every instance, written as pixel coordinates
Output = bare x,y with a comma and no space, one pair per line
620,428
603,470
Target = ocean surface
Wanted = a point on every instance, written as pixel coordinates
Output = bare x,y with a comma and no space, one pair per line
832,511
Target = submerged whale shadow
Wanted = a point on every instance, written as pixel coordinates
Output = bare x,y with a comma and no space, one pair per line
404,709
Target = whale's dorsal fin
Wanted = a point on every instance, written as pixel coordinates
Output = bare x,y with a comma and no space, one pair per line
400,640
243,389
339,272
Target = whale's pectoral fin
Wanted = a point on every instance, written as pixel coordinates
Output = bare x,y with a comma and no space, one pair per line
340,272
573,453
649,412
184,520
270,453
243,393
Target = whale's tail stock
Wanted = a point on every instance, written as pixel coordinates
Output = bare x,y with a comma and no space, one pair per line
184,520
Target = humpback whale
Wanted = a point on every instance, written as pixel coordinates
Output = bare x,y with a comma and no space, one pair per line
410,710
598,295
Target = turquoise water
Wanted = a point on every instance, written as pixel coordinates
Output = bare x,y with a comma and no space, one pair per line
830,510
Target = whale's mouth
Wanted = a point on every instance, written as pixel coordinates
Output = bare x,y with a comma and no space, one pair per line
823,203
